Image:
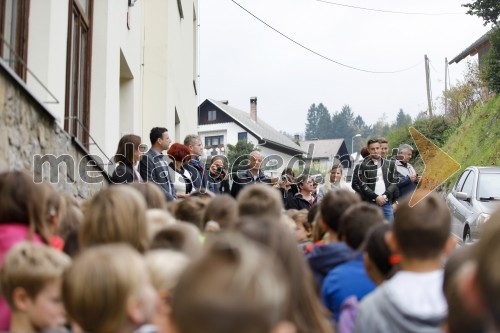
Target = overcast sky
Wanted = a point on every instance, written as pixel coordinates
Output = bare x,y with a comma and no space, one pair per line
240,57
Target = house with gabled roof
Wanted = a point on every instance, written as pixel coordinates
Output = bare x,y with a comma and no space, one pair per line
220,124
322,154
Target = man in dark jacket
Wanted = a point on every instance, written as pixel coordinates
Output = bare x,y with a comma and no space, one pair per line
153,166
250,176
378,180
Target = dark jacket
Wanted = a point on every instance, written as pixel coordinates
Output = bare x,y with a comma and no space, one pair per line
216,183
324,258
244,178
297,202
154,168
198,174
367,173
123,174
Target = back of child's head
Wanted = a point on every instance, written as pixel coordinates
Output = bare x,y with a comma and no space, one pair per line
488,270
72,217
155,199
165,268
423,230
24,202
300,218
356,221
181,236
191,210
334,204
114,215
103,284
235,287
312,214
377,249
259,200
305,309
157,220
223,209
460,319
31,267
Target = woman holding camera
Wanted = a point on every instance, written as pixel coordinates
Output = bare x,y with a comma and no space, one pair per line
218,181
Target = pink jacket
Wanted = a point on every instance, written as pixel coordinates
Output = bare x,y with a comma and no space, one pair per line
10,234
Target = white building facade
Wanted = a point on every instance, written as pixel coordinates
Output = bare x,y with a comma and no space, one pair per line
105,68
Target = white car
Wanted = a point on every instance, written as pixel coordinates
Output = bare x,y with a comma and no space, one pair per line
472,200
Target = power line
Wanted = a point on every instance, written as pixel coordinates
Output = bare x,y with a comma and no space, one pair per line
321,55
387,11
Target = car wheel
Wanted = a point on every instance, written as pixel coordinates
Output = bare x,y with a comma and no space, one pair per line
467,238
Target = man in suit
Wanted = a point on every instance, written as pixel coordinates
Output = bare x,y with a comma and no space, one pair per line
378,180
153,166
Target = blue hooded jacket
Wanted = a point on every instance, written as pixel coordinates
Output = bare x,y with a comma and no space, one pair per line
324,258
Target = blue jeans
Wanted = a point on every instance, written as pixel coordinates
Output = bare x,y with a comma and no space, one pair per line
387,210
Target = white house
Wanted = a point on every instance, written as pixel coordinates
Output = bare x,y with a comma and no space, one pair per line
220,124
103,68
322,154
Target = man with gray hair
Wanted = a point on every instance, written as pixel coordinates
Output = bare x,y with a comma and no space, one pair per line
250,176
195,167
408,177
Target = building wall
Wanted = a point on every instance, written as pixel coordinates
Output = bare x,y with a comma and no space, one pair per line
27,129
170,58
144,61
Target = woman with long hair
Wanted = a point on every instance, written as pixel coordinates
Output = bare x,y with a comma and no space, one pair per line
335,182
126,158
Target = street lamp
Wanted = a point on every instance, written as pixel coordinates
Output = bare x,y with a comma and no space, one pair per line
352,142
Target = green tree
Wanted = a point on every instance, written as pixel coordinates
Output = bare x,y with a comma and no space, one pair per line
319,123
488,10
324,122
238,153
343,124
402,119
312,123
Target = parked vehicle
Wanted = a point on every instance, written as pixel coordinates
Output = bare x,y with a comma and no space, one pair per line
472,200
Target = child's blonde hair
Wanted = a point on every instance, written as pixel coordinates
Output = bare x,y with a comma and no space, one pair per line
165,268
157,220
209,296
116,214
31,267
97,287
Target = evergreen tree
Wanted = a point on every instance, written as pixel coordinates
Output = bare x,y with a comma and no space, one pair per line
402,119
324,125
343,124
312,123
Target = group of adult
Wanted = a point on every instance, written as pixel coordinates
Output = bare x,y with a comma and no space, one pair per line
179,175
379,179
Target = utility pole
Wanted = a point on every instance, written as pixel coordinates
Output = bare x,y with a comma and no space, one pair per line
445,85
428,84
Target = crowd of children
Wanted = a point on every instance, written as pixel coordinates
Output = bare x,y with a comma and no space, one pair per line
128,261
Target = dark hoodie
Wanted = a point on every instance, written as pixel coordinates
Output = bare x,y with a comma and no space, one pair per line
324,258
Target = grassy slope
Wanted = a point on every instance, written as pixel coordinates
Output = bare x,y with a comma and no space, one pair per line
477,140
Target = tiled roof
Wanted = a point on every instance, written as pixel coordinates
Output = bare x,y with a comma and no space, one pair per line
259,128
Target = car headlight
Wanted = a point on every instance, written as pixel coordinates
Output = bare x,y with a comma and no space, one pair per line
482,218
